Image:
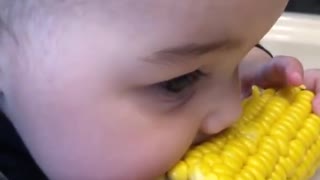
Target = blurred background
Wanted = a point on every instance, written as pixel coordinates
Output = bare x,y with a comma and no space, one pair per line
304,6
297,33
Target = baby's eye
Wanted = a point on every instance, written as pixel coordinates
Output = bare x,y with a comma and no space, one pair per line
180,84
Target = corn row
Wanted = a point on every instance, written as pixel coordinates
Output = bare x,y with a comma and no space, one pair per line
277,137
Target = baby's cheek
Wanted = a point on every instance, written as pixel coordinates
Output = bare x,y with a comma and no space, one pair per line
76,129
102,138
156,148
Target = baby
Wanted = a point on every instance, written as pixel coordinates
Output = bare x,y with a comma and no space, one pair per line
120,89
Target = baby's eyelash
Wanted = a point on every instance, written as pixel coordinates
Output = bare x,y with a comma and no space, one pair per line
183,82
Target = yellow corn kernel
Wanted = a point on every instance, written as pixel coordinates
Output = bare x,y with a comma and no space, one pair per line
277,137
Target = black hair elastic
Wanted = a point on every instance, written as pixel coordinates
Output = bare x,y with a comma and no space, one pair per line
264,49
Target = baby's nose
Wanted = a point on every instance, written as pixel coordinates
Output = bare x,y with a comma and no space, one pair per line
221,118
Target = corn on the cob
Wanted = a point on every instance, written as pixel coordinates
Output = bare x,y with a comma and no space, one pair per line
277,137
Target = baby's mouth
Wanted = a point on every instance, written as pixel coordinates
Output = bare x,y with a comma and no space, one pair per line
200,138
197,141
164,177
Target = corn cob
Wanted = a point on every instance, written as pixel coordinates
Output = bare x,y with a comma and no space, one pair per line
277,137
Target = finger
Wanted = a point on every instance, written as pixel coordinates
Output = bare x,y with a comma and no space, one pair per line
246,89
312,82
281,71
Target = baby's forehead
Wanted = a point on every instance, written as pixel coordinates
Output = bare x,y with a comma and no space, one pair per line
17,8
13,13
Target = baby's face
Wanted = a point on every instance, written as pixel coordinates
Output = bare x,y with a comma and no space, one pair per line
120,90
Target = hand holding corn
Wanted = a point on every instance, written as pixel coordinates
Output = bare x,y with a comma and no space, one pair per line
278,72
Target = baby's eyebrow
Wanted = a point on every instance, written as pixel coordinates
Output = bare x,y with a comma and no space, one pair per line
169,55
192,49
